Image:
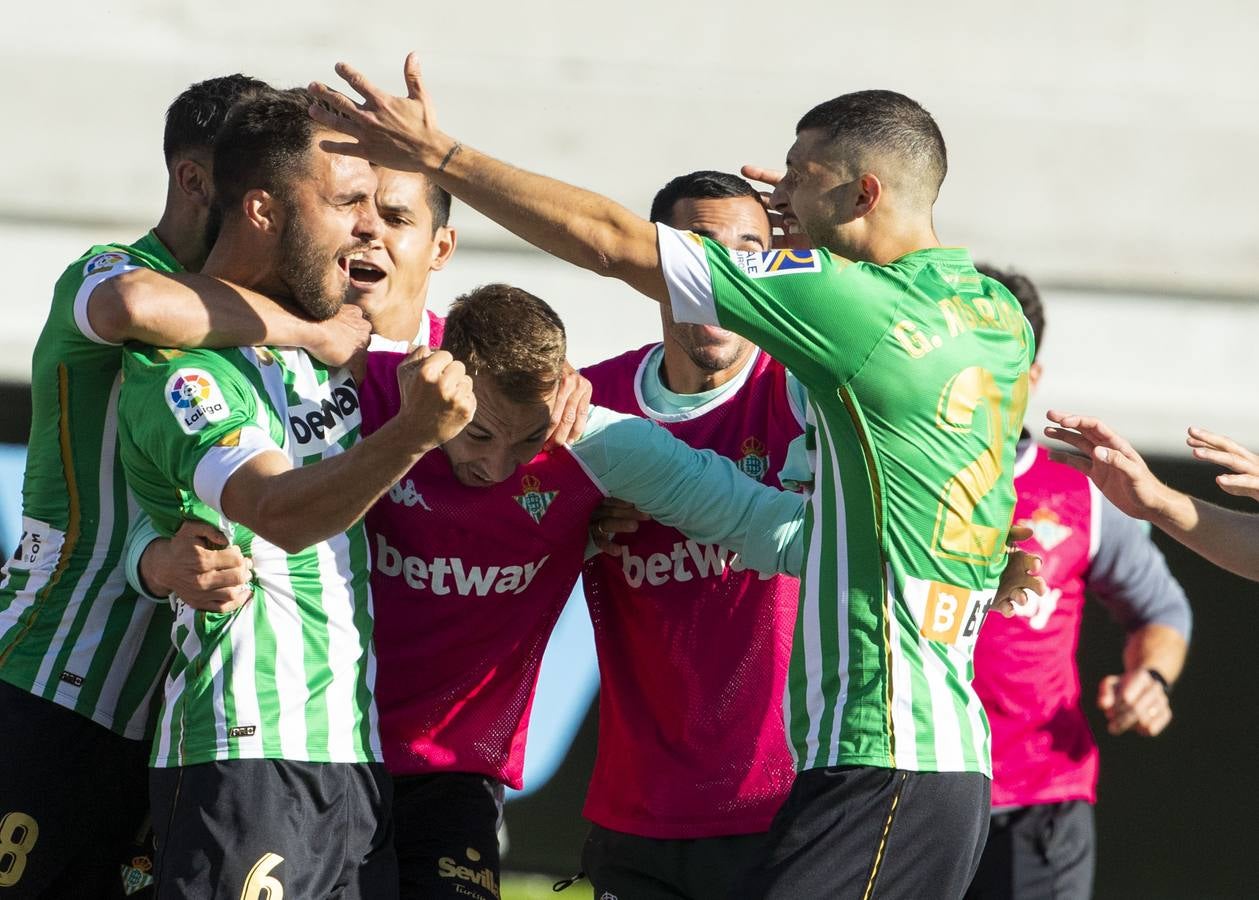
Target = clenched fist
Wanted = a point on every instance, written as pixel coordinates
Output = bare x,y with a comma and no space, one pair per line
437,398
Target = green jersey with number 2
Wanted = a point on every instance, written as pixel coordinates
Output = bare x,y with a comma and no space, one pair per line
917,381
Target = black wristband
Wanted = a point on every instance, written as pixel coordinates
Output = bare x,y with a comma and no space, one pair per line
1162,682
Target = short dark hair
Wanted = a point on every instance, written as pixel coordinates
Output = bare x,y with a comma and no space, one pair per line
706,184
438,199
509,335
263,144
1025,292
885,122
196,115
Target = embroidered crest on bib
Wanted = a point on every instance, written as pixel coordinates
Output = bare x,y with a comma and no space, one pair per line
533,499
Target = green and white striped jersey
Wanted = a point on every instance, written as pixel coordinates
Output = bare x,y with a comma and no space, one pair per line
917,380
290,674
71,630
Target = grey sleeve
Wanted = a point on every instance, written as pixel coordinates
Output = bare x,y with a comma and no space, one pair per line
1130,576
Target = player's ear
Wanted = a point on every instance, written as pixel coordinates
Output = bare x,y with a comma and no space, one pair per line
193,180
444,240
1033,375
870,194
263,211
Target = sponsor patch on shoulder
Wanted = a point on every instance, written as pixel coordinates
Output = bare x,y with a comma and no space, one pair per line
194,397
777,262
105,262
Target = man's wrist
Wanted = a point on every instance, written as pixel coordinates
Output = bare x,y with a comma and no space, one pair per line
1160,679
406,437
152,568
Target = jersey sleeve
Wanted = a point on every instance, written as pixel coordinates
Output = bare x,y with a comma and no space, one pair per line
1130,577
96,270
699,492
819,315
140,534
200,422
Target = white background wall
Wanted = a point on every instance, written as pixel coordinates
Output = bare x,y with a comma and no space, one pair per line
1108,150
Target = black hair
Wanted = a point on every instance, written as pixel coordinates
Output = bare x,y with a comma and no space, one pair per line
703,185
263,144
196,115
885,122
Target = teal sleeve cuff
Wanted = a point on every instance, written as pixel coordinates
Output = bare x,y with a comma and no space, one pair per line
139,536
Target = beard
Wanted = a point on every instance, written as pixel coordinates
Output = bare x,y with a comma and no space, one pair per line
303,268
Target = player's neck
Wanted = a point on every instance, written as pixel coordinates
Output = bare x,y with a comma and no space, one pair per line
238,258
891,243
679,374
184,237
400,321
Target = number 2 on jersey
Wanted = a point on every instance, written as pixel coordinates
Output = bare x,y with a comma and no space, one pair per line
957,535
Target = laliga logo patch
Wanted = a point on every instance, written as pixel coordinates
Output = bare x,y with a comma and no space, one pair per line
777,262
1047,528
755,460
195,399
105,262
534,501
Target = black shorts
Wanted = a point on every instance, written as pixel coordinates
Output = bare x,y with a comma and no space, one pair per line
73,803
865,832
643,868
1043,851
249,828
446,832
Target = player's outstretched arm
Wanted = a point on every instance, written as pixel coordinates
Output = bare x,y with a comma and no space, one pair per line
295,508
1226,537
189,310
576,225
699,492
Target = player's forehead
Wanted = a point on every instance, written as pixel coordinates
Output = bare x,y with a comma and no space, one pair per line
724,218
336,176
402,192
811,146
504,417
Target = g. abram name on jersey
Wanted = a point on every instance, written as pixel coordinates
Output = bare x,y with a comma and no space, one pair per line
442,574
685,561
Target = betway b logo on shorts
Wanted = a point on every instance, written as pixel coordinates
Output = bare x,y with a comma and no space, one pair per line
450,574
194,397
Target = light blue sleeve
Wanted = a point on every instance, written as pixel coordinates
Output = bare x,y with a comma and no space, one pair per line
140,534
699,492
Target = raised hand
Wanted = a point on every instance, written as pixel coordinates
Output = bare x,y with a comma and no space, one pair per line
1111,462
784,228
437,398
1226,452
572,406
395,132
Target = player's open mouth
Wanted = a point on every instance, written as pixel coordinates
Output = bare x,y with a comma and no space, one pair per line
364,274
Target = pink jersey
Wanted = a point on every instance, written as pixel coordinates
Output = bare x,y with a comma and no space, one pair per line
693,651
467,584
1025,669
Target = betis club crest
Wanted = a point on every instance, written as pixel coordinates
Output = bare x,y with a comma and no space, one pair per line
755,461
533,500
1047,528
